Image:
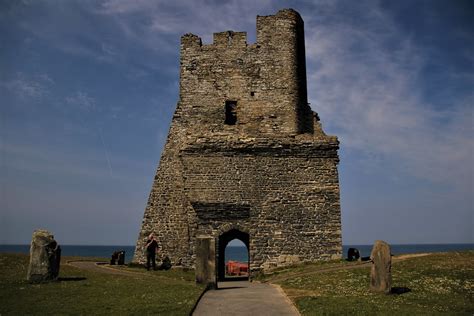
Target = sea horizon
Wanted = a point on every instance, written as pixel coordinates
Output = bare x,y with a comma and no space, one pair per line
118,245
234,252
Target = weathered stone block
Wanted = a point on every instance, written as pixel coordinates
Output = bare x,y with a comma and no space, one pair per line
381,271
45,257
206,261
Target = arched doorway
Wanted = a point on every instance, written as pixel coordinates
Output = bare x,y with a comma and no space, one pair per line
224,240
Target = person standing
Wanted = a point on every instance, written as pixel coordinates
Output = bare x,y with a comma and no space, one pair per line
151,247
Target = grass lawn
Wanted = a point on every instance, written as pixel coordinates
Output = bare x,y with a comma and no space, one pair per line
437,283
85,292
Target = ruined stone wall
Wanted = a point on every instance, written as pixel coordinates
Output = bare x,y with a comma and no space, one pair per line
272,174
165,213
284,195
267,79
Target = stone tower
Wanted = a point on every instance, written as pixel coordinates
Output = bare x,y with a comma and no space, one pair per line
246,157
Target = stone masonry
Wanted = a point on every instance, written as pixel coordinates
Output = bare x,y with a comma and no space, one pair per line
246,153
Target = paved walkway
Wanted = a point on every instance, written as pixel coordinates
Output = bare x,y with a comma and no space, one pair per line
245,298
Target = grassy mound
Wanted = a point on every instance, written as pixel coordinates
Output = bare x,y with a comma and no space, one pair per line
432,284
85,292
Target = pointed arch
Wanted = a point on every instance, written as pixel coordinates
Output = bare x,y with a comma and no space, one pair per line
226,234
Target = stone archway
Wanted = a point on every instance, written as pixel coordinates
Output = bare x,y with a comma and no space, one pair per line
223,241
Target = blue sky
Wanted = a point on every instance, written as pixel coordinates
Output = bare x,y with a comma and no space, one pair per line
88,88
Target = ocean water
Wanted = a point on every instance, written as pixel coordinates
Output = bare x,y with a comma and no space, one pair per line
365,250
236,253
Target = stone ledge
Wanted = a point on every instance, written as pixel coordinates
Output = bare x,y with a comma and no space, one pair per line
324,147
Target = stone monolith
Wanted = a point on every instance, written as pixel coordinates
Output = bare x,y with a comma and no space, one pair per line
45,257
206,261
380,274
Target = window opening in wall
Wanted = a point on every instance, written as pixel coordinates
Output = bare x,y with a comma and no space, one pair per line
230,112
252,93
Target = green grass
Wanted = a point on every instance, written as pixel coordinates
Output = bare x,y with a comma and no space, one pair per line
438,283
303,268
171,292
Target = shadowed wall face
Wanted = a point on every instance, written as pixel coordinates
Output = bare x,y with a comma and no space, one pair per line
246,153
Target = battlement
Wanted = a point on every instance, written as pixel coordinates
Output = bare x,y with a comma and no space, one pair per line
268,27
190,40
220,40
230,38
265,81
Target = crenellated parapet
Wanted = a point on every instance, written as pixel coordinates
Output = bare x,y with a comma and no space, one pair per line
266,80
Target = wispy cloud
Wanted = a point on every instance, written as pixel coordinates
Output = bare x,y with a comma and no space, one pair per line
115,66
369,94
28,87
180,17
76,30
82,101
56,162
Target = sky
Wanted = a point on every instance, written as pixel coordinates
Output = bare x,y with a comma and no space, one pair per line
88,89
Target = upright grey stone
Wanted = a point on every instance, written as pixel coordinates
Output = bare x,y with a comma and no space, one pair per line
380,274
45,257
206,261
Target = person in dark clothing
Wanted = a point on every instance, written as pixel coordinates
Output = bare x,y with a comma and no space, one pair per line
151,247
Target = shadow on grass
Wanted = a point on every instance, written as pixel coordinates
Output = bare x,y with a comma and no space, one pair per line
67,279
399,290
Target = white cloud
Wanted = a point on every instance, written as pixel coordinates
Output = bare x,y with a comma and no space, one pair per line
368,94
364,91
180,17
125,6
82,101
29,87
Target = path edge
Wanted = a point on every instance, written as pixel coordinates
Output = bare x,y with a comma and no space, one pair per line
280,289
207,288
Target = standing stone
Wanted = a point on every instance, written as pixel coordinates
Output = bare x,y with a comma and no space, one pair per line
206,261
45,257
380,274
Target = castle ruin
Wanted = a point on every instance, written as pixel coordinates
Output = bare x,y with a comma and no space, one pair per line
246,156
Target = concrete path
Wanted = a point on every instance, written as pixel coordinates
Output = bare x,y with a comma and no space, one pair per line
245,298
